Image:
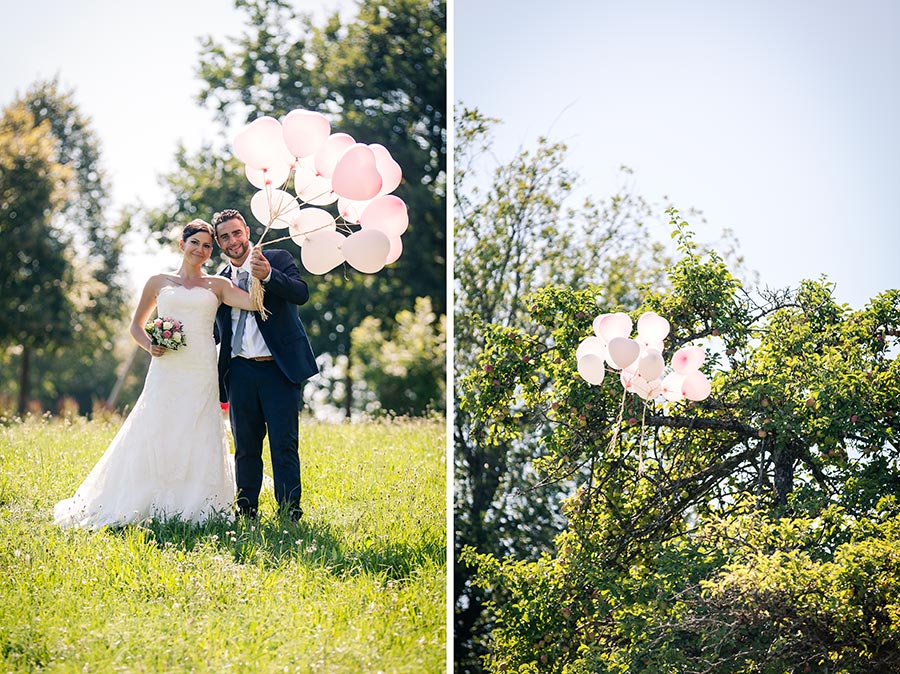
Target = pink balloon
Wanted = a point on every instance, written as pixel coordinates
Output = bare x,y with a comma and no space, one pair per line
395,251
367,250
696,386
591,368
687,359
651,365
613,325
623,351
386,213
671,386
355,175
322,252
652,327
390,171
260,144
330,152
304,131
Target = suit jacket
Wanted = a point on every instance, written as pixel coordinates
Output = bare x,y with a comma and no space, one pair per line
283,330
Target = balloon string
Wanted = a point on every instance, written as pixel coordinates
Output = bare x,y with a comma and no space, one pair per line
641,445
311,231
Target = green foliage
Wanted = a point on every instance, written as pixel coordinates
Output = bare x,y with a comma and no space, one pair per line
357,585
517,228
721,536
34,301
744,594
405,369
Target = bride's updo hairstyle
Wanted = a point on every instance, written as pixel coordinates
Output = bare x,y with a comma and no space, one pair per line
195,226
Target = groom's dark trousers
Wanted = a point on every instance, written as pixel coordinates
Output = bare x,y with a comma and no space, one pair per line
264,395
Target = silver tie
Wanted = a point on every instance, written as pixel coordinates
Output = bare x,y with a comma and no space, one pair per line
238,338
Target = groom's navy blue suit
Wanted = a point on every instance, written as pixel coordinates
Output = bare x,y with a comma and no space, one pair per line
264,395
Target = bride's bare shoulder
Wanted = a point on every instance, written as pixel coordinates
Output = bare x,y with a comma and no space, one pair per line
159,281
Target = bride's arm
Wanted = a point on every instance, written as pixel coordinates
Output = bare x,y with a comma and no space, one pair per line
233,296
144,308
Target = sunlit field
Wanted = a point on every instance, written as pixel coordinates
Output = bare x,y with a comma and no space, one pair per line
357,586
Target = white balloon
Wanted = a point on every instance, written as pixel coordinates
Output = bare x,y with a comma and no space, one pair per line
274,206
591,368
651,365
313,189
309,220
322,251
623,351
351,210
274,177
367,250
593,345
652,327
671,386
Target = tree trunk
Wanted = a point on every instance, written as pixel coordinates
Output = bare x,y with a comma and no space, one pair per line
24,374
348,391
783,460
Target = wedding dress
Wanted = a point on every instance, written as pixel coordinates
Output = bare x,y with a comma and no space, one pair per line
170,458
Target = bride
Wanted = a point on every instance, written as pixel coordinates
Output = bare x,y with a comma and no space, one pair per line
170,458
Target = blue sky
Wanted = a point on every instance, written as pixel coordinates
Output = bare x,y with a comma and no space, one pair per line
780,121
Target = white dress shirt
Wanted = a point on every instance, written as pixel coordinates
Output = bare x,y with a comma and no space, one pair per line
253,345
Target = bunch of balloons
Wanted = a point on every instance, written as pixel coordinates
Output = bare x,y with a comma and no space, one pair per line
640,360
326,168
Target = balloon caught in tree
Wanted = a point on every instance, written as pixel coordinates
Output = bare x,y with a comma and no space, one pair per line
326,168
639,360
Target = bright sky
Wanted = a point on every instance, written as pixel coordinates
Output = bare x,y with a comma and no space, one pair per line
132,66
779,120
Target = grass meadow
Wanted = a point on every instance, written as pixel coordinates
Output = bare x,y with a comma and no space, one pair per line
358,585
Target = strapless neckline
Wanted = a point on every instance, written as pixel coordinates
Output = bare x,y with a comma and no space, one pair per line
188,289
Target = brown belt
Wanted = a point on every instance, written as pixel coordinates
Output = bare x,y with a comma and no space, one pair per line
259,358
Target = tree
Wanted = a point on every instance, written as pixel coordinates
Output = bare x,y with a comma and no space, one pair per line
404,371
379,76
63,288
722,536
511,238
34,304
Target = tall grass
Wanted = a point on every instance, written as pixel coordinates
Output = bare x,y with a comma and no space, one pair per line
357,586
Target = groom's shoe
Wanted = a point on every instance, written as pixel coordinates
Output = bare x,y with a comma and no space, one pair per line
295,513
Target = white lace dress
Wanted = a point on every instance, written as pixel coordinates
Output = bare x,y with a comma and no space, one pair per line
170,458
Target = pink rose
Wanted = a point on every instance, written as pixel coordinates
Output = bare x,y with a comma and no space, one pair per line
167,333
176,325
157,322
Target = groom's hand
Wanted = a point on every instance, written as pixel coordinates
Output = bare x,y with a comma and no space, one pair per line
259,265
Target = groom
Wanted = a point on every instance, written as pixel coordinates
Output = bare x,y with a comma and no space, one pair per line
262,366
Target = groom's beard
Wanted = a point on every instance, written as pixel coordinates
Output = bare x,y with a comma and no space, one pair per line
237,251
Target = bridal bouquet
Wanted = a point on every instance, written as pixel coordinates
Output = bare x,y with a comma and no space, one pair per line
166,332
